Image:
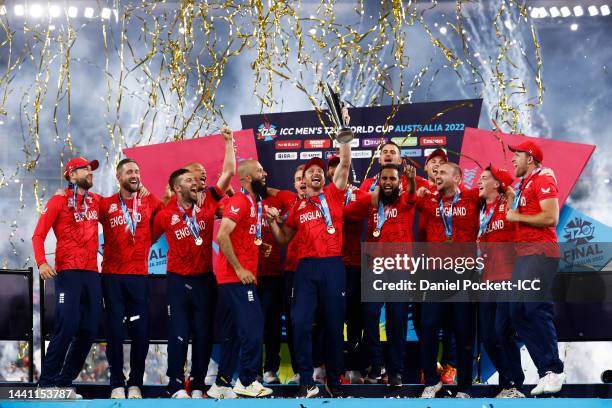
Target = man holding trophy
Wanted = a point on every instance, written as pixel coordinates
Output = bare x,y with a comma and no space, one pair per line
320,279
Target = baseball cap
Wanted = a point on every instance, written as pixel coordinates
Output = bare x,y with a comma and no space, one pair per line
315,161
438,152
333,161
529,147
503,176
78,162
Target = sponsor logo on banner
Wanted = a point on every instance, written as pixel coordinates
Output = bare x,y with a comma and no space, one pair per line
330,153
310,155
411,153
433,141
372,142
286,156
267,132
288,144
361,154
430,151
405,141
317,144
354,143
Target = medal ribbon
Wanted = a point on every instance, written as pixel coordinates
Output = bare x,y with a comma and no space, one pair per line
348,195
259,212
374,184
517,197
75,196
131,222
448,222
324,209
191,223
382,216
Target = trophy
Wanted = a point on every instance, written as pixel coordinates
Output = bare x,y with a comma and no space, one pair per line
343,133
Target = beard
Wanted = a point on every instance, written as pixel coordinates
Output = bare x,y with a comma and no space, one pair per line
391,198
259,188
84,184
128,187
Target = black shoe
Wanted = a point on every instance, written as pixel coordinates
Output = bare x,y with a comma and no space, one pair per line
374,376
395,380
307,391
335,391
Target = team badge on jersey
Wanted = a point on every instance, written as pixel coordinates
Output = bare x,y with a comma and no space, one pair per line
112,208
175,219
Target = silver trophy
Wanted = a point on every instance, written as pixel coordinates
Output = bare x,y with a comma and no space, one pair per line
343,133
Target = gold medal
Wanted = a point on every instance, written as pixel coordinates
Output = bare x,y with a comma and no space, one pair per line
449,240
376,233
258,241
199,241
331,229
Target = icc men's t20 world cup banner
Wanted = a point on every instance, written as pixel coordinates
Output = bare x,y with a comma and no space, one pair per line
285,140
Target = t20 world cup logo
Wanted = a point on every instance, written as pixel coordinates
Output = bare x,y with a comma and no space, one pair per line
266,132
579,231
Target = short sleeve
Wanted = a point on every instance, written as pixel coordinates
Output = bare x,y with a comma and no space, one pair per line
236,208
291,215
545,188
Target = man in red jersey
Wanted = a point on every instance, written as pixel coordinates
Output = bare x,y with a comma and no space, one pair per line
127,221
74,219
495,236
191,285
451,215
320,277
536,211
240,236
390,215
389,154
351,257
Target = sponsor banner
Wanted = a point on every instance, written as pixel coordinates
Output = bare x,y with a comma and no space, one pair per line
317,144
481,147
206,150
432,141
369,125
411,152
361,154
310,155
288,144
354,143
373,142
408,141
286,156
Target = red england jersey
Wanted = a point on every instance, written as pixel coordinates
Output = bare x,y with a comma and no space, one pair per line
499,259
271,265
184,256
543,240
465,217
123,253
351,239
240,210
308,222
76,231
373,181
398,221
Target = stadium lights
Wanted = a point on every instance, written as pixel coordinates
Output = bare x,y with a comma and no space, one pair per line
554,12
2,10
593,11
578,11
54,11
106,13
36,10
574,27
19,10
443,30
565,11
89,12
605,10
72,12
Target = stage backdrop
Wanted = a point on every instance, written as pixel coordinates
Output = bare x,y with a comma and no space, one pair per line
285,140
158,161
481,147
